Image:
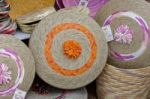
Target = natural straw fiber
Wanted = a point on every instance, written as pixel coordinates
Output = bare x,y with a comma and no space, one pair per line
28,22
17,68
35,15
81,9
129,22
41,90
117,83
22,7
69,48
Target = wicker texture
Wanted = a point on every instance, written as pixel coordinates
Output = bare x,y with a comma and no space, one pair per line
22,7
133,6
28,22
117,83
22,65
60,70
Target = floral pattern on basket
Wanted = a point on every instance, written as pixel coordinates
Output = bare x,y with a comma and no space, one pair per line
124,34
5,74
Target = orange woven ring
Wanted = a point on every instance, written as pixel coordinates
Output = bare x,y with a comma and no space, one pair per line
48,44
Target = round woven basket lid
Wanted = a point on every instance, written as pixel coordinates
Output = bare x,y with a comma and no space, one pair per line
17,68
129,24
22,7
69,48
93,5
41,90
35,15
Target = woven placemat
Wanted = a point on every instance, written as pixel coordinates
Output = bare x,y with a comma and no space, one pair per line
69,48
117,83
17,68
129,22
41,90
22,7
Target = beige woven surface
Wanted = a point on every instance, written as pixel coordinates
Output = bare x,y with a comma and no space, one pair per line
22,7
139,7
28,22
37,45
35,15
117,83
81,9
27,59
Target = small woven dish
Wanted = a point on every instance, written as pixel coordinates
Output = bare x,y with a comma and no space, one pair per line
130,26
17,68
69,48
117,83
41,90
22,7
28,22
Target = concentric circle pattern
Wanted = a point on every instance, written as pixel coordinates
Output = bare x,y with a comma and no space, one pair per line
69,49
14,62
130,27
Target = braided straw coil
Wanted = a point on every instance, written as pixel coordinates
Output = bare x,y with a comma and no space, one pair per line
22,7
69,48
129,24
41,90
17,68
117,83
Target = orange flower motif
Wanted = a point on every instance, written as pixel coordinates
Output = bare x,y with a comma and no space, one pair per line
72,49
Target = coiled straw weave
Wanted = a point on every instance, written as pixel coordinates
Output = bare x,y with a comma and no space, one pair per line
29,21
64,45
117,83
133,14
22,7
19,70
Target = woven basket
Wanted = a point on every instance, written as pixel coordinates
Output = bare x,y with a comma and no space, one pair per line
22,7
17,68
129,22
69,48
28,22
117,83
41,90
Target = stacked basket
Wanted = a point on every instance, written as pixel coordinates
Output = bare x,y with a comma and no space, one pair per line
7,26
128,75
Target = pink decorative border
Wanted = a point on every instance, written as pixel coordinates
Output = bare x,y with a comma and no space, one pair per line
144,27
11,54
